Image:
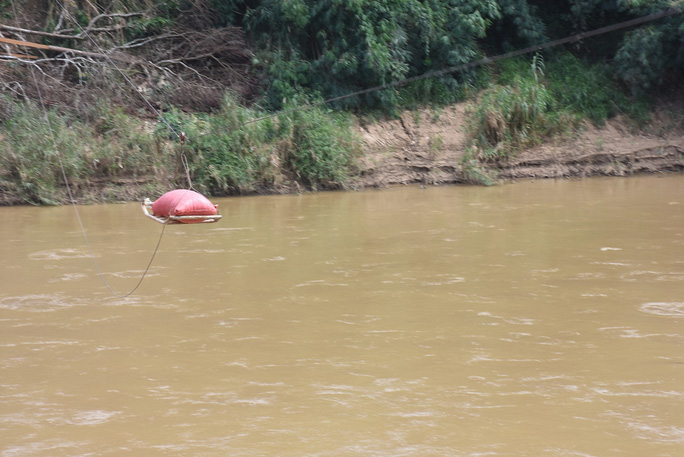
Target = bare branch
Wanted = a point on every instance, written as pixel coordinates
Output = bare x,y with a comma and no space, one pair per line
16,88
47,47
69,34
139,42
38,33
190,65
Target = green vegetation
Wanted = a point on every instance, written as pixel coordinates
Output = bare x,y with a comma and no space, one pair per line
532,101
280,54
590,91
474,172
35,142
232,152
335,48
308,149
517,112
331,48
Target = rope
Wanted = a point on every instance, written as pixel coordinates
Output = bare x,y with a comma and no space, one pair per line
68,186
78,215
184,161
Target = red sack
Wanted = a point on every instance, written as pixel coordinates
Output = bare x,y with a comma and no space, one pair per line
183,202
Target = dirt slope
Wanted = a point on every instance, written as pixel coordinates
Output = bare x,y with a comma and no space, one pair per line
428,147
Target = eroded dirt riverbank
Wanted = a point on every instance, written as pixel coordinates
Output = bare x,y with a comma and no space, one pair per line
428,147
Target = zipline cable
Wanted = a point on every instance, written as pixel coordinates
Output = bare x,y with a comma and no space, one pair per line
181,135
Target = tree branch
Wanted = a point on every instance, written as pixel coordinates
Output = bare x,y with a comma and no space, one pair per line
64,34
47,47
39,33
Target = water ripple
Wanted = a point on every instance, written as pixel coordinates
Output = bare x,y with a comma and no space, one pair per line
670,309
39,303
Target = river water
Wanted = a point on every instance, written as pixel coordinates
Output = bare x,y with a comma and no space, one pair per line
531,319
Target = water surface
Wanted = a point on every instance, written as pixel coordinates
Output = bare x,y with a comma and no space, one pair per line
532,319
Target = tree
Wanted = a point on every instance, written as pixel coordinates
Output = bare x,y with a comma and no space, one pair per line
335,47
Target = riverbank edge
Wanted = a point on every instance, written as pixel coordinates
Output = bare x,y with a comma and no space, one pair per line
431,147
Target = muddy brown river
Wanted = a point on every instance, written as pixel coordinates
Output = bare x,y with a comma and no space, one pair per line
531,319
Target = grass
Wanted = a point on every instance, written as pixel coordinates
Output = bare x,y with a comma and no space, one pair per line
37,144
531,101
34,144
227,152
473,170
232,153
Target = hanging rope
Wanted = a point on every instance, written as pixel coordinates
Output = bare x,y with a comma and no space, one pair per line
184,159
66,179
78,215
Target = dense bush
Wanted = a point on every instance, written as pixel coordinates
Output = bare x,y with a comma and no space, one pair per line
36,144
517,112
531,100
332,48
644,58
321,148
236,151
590,90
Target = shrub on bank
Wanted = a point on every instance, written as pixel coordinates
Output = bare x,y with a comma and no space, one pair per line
531,101
241,150
516,112
37,143
228,152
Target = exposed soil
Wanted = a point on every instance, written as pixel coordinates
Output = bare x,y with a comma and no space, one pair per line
428,148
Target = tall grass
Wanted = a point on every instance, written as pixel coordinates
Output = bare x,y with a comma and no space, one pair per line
229,153
35,141
517,112
532,101
319,147
313,148
33,145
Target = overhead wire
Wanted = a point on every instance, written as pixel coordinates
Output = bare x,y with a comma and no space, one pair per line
181,135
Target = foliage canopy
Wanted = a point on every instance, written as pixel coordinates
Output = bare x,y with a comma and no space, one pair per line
330,48
336,47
